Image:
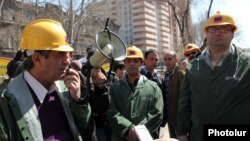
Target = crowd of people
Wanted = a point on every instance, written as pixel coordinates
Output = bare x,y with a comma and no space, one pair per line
48,98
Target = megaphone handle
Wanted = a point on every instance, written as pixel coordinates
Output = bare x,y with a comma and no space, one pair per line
88,84
106,25
107,29
110,68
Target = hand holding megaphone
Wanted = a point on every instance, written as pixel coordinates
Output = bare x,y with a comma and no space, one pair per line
109,47
98,78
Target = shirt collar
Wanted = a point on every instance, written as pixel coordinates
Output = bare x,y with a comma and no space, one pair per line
39,90
146,71
206,55
231,50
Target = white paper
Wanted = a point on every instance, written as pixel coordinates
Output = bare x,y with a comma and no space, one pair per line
142,133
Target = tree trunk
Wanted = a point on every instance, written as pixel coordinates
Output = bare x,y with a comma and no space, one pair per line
71,22
78,31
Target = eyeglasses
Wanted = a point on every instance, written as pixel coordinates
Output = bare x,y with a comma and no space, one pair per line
191,53
219,29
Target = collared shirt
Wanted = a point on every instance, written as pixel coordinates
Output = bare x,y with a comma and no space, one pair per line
37,87
83,60
151,76
206,55
167,78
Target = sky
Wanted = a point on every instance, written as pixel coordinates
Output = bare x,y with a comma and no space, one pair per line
240,11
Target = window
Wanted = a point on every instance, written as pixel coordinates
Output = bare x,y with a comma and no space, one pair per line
28,15
11,15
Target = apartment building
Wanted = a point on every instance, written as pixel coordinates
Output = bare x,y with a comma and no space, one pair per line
144,23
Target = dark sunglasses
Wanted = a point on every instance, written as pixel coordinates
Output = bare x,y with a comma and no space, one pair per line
191,53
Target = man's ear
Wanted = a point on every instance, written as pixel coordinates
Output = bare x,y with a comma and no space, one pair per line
142,62
177,59
36,57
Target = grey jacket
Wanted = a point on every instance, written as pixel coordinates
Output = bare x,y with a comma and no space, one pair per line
19,116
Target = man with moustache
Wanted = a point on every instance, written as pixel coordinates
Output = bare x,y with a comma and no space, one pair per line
135,100
44,103
151,60
191,51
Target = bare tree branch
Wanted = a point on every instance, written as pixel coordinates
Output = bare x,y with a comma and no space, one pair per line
204,44
209,8
1,5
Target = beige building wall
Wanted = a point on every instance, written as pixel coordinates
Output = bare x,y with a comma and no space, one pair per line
143,23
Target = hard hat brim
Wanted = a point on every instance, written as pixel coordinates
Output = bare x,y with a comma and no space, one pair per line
221,24
192,49
134,57
63,48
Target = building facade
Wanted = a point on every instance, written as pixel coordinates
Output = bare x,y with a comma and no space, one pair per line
146,24
14,16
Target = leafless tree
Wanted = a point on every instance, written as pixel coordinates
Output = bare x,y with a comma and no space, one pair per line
1,5
198,31
182,18
208,15
73,18
70,13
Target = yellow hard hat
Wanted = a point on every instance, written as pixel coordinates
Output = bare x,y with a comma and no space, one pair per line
191,47
220,19
45,34
134,52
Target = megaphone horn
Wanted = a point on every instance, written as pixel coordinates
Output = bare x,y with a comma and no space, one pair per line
100,56
108,48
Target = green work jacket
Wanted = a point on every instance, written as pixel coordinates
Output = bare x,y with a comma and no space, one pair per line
219,95
143,106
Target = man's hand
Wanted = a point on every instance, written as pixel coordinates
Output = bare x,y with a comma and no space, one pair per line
98,78
166,139
182,138
132,135
72,82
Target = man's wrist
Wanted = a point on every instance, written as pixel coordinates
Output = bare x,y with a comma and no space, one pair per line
127,131
80,101
98,89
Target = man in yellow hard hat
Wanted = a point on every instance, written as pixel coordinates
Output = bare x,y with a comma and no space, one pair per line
135,100
191,51
215,91
44,102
